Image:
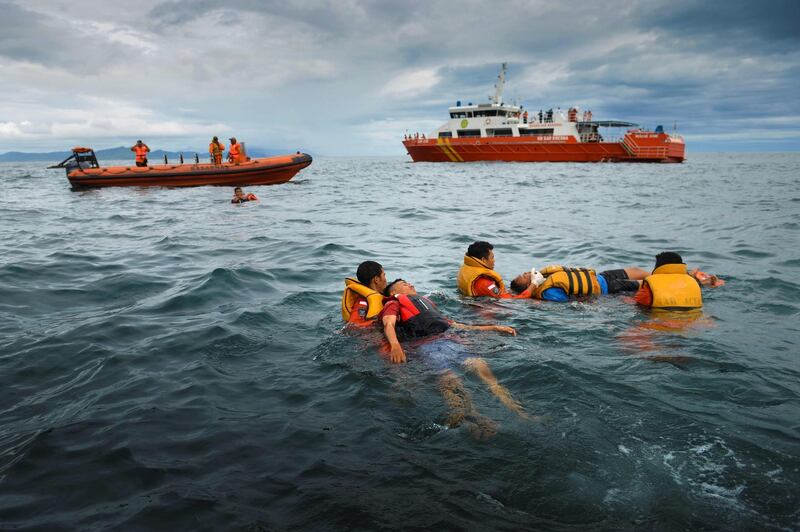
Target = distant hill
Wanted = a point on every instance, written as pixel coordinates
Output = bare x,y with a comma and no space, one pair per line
122,153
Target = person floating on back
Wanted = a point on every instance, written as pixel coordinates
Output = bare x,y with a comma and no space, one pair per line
141,150
560,283
241,197
405,315
215,150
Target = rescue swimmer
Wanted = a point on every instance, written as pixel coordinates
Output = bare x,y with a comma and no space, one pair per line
141,150
362,299
477,276
672,287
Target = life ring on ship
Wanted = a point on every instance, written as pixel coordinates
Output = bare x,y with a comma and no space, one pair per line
487,121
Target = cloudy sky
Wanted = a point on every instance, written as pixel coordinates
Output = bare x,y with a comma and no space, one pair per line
350,77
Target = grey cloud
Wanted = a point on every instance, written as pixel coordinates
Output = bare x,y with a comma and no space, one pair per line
47,40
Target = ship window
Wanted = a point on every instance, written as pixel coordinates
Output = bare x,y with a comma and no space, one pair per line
504,132
469,114
548,131
458,115
445,134
469,132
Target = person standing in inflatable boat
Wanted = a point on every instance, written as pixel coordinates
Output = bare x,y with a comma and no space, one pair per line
477,277
215,150
141,150
362,300
409,315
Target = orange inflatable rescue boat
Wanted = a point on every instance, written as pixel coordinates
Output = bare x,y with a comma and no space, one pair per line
83,170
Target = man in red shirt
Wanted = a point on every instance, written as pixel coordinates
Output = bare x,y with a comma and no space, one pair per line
477,276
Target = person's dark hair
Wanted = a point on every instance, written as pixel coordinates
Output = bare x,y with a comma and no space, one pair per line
388,288
517,286
480,249
668,257
367,271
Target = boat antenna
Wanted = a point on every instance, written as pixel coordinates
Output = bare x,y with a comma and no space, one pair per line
498,87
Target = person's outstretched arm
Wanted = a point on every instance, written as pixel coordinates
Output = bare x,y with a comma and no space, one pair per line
499,328
396,354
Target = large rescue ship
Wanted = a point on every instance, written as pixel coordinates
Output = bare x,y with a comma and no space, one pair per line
497,131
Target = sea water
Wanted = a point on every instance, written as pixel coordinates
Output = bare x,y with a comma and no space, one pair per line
169,360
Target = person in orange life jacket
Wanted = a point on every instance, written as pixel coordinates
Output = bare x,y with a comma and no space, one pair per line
675,294
215,150
557,283
477,276
235,154
241,197
412,315
141,150
371,275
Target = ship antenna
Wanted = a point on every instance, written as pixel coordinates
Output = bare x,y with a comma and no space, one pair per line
498,87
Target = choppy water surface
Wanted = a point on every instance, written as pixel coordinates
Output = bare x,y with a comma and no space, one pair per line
169,360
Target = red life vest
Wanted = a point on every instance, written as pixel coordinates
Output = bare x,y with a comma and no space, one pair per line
420,317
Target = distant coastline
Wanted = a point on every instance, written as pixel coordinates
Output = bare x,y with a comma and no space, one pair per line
122,152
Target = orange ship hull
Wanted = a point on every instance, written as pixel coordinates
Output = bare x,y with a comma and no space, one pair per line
635,147
265,171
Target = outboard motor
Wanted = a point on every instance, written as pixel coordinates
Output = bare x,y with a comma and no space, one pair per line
80,158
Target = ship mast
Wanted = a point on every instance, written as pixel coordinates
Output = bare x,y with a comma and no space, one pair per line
497,99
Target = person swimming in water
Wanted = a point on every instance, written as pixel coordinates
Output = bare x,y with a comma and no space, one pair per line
406,314
241,197
477,276
362,299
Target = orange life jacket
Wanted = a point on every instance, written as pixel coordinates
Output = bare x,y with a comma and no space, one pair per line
235,153
216,149
141,152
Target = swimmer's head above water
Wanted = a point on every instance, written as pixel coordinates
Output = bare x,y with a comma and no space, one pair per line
482,250
371,274
524,280
400,287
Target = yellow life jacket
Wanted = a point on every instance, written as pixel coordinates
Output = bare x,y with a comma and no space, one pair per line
573,281
674,289
471,270
354,290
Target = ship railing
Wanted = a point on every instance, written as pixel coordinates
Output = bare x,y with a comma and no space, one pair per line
643,152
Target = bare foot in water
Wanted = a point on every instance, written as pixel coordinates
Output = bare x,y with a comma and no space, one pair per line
480,427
